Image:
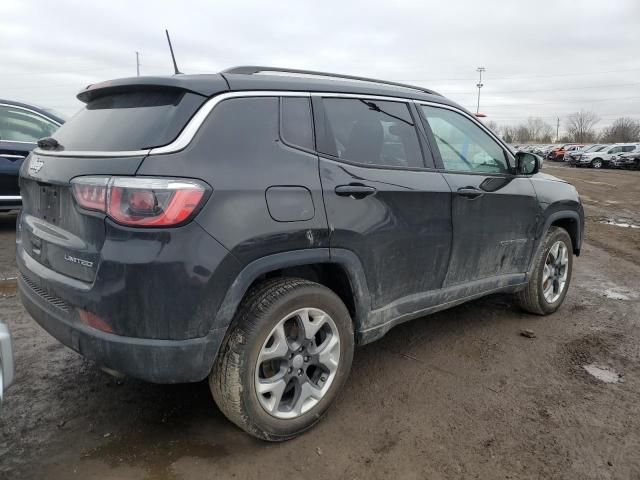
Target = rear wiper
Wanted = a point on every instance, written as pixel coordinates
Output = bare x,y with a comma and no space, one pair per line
49,143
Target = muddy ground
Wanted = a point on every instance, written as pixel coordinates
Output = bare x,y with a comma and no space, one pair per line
459,394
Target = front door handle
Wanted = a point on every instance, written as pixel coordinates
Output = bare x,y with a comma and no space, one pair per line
354,190
470,192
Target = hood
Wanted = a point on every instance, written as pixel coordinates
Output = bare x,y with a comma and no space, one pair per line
551,178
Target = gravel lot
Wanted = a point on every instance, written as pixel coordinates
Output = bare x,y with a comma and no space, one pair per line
459,394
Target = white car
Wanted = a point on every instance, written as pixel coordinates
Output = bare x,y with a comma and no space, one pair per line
6,359
605,156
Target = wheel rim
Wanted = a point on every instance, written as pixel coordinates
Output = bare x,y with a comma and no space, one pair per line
555,272
297,363
597,164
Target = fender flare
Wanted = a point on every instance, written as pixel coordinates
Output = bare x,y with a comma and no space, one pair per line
555,216
345,258
566,214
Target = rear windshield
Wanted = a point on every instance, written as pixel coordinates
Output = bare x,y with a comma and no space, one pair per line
131,120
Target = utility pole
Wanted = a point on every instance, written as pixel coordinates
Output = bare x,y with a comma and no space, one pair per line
557,128
479,85
137,63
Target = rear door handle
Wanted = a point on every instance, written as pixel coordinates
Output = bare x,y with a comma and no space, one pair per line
470,192
354,190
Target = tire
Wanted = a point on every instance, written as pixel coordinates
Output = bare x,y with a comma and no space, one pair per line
236,374
596,163
532,299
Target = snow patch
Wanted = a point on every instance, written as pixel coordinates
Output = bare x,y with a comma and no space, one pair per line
603,374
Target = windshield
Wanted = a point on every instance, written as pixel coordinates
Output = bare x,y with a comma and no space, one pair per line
132,120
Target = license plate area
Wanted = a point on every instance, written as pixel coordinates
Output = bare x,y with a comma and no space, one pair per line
48,204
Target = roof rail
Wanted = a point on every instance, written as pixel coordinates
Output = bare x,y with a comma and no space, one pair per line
252,69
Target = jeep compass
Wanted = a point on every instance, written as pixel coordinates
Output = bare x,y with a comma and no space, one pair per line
253,226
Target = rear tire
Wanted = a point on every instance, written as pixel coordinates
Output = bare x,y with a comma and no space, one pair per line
272,377
549,282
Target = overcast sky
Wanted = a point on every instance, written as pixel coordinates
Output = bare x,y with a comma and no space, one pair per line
544,58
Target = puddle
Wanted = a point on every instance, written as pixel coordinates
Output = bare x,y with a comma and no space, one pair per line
8,286
603,374
615,223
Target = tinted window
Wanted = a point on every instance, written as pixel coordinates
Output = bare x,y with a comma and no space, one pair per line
463,145
20,125
130,120
372,132
296,121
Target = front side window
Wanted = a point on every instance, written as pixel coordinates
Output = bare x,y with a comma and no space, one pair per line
372,132
20,125
463,145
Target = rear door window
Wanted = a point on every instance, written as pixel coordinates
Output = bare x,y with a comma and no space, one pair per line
20,125
372,132
130,120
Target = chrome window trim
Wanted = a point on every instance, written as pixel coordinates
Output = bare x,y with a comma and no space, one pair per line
193,126
91,153
6,155
6,198
17,141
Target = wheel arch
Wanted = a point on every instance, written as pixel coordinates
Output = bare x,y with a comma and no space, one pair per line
339,270
572,222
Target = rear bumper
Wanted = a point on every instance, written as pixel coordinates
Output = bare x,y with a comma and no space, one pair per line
153,360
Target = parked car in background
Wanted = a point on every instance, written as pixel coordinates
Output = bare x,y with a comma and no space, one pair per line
6,359
557,155
194,226
603,157
626,160
570,157
21,126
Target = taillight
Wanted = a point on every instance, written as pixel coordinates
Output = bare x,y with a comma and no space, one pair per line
140,201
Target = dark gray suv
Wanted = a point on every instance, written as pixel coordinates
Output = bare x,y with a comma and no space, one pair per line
253,228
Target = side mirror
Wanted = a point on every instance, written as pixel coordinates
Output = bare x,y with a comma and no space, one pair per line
527,163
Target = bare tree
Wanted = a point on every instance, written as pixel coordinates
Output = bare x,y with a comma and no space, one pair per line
492,125
508,134
623,129
580,126
539,130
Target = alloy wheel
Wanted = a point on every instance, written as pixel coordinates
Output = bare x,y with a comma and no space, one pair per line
297,363
555,272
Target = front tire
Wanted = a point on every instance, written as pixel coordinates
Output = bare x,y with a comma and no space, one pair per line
549,282
284,360
596,163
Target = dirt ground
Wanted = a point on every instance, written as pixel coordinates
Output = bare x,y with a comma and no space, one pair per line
459,394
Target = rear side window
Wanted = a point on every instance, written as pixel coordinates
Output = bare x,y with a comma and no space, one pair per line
296,127
132,120
372,132
20,125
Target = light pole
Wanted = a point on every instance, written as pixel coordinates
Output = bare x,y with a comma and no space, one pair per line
137,63
479,85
